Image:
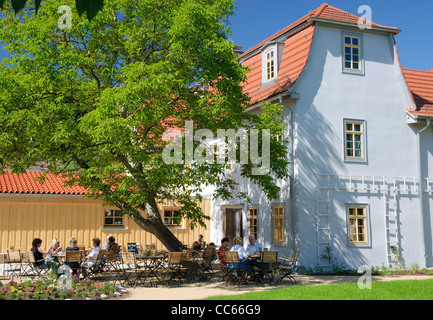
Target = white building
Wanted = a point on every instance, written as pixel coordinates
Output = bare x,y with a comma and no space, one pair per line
360,142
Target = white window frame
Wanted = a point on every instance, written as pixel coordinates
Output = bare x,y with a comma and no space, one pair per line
361,70
367,225
363,158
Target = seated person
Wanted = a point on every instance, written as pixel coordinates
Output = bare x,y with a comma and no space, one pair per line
254,248
92,256
53,250
111,245
199,244
224,247
39,254
73,247
243,259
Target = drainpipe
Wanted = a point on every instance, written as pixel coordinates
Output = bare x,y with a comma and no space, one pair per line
292,164
421,191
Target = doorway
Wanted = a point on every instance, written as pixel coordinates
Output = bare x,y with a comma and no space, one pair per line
232,222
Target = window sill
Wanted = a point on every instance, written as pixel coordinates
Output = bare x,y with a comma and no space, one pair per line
354,72
362,161
176,227
114,228
358,245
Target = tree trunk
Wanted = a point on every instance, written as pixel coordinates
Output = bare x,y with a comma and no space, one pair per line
154,225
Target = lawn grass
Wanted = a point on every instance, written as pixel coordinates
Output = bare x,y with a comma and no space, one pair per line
389,290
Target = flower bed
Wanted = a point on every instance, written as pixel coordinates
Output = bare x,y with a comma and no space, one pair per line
49,289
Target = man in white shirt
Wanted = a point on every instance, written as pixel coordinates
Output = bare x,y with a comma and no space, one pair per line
254,247
92,256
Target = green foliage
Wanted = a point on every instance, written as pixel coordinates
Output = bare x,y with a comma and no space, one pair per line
414,267
93,102
92,7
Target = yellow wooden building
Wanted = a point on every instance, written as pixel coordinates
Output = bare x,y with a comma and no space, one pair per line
30,210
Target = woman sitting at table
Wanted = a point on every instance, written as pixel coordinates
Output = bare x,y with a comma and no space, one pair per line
39,254
73,247
54,249
224,247
243,260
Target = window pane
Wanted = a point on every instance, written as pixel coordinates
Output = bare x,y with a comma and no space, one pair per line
355,41
360,211
176,213
118,213
349,137
358,145
349,127
348,65
358,153
350,145
108,213
356,66
355,51
108,221
347,57
349,153
358,127
347,40
118,220
355,58
357,138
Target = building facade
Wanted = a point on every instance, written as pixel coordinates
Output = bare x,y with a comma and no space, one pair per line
360,145
51,210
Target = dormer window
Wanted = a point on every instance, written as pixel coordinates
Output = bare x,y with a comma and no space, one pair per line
270,65
271,59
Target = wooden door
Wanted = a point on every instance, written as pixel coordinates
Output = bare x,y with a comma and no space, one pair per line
232,226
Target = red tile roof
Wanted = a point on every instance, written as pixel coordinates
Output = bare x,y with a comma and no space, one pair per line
293,62
26,183
420,84
296,52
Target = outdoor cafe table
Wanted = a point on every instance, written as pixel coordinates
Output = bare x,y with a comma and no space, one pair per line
152,265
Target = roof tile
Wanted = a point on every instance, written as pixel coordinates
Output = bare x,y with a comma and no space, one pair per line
27,183
420,84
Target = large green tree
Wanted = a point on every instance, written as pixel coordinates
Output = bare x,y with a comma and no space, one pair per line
91,7
92,101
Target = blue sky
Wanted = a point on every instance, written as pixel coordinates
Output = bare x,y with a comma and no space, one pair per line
256,20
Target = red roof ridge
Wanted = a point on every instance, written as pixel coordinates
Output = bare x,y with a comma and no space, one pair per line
325,12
